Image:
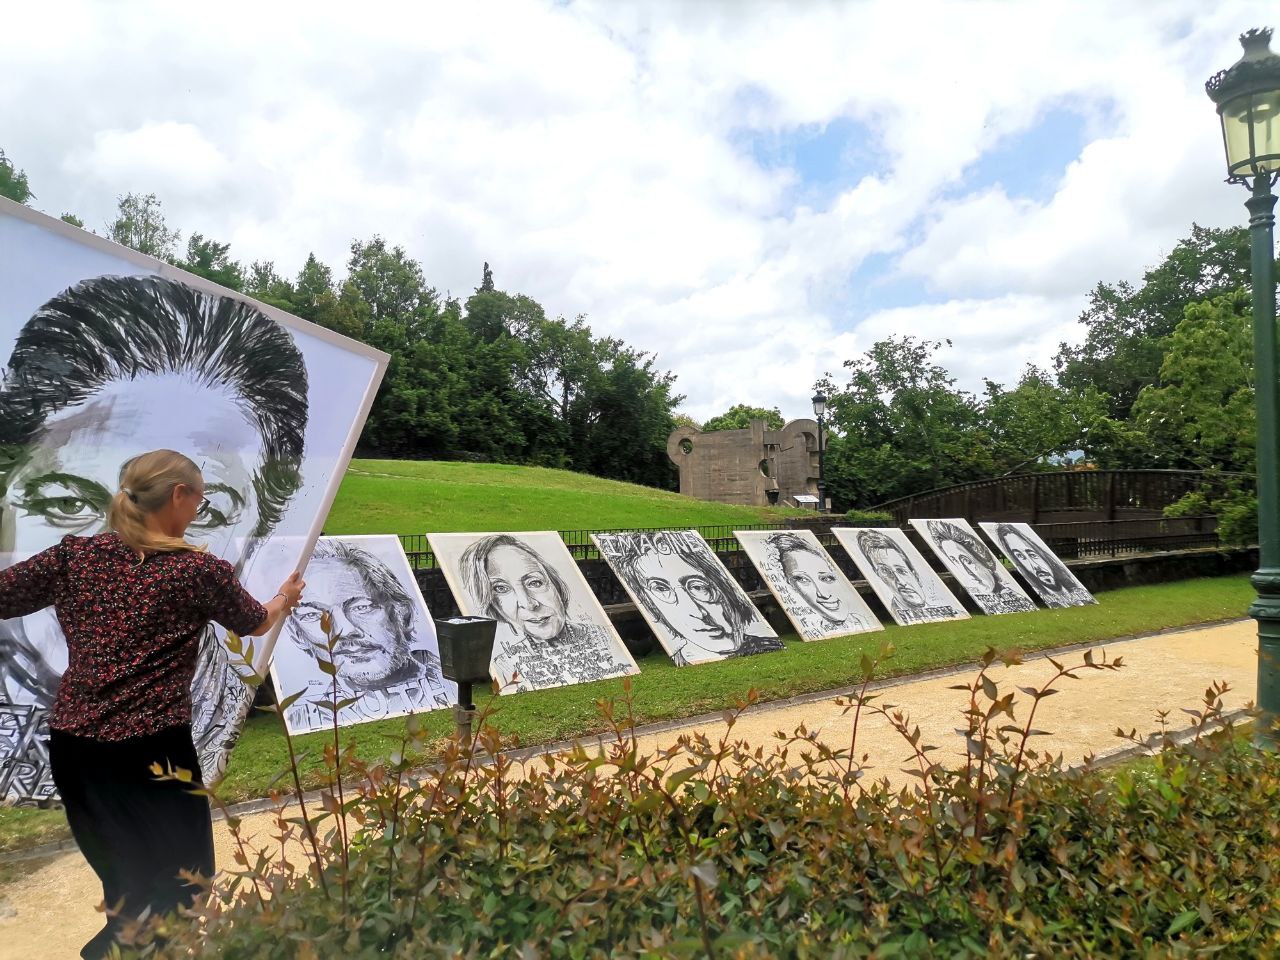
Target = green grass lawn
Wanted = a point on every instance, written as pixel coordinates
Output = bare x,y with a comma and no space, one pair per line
406,496
663,691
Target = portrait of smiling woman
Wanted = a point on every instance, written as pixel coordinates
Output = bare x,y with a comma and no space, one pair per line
552,631
103,364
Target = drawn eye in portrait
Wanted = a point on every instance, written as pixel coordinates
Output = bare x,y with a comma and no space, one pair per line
695,608
381,638
99,369
816,596
1048,576
900,576
551,629
974,566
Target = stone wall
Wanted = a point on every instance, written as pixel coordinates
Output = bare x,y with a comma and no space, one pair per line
741,466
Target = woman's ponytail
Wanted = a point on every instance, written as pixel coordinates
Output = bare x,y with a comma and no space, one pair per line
146,485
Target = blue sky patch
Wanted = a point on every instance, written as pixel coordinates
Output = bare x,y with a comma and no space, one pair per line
1030,164
826,158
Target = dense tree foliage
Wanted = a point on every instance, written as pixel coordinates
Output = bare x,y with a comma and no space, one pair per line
740,415
13,182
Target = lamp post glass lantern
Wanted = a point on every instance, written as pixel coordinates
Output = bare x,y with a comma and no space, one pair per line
1247,96
820,411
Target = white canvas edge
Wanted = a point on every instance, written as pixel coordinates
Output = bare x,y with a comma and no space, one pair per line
263,646
460,594
919,526
417,592
758,535
881,590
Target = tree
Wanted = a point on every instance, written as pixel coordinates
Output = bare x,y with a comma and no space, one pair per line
72,219
1202,414
1038,421
315,282
13,182
486,280
211,260
264,283
901,427
140,224
740,415
1127,327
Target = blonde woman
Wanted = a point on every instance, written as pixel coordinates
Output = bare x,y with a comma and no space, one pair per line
133,603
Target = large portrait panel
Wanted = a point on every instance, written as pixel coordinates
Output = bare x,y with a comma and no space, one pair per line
380,639
817,597
900,576
694,606
551,629
1048,576
974,566
105,354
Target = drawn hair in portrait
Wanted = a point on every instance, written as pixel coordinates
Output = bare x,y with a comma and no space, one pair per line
817,597
974,566
900,576
1048,576
99,367
551,629
381,638
692,603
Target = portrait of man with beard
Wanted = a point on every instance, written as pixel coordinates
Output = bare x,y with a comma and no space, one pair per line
380,637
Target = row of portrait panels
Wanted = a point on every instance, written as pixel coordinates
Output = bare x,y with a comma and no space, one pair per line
552,630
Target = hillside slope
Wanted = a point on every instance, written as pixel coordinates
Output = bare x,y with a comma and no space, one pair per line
411,496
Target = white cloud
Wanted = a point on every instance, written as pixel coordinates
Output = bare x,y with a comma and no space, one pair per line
588,152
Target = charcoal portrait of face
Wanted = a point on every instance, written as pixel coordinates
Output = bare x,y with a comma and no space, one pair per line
975,567
1039,566
111,367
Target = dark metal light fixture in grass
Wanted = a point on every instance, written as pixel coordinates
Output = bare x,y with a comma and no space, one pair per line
1248,99
466,650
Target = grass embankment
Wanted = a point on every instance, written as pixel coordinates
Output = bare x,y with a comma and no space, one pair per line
406,496
665,692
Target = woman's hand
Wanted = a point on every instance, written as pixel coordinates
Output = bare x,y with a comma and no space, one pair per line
286,599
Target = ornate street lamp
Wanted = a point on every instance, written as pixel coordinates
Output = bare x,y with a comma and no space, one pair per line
820,411
1248,99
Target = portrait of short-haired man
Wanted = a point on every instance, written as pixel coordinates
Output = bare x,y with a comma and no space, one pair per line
975,567
103,364
379,638
902,579
1048,576
552,631
694,606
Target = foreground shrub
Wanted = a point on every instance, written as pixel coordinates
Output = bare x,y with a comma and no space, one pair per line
713,849
869,518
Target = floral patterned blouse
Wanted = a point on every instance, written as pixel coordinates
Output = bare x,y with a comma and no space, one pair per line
132,627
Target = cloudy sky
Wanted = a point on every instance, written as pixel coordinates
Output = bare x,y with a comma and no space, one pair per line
757,191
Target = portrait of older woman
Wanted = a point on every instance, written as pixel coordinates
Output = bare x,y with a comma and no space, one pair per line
816,596
974,566
552,631
117,364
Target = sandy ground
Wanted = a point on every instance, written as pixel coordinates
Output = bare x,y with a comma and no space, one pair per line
48,910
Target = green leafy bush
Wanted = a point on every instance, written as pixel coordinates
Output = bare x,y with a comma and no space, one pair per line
869,518
714,849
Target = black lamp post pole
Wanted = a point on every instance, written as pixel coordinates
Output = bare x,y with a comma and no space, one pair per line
822,469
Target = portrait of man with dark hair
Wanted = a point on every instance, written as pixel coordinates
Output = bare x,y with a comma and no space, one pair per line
817,597
695,608
552,631
974,566
1054,584
98,369
380,637
901,578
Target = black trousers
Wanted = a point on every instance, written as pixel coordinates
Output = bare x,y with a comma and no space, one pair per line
136,832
